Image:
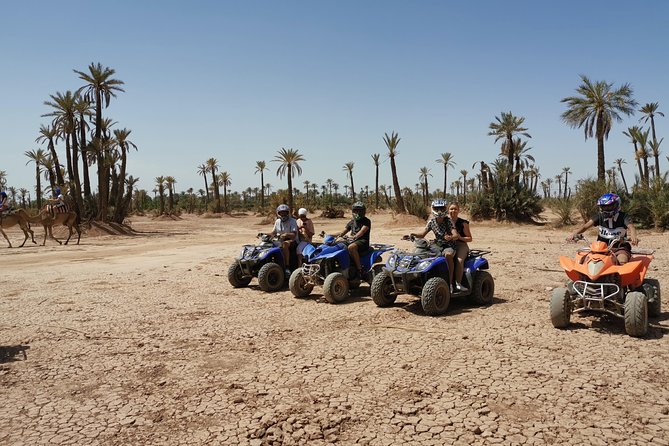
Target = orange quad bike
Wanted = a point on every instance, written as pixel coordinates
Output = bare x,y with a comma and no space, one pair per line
599,284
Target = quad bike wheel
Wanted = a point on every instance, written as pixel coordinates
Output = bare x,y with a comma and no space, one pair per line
298,285
435,297
236,276
335,288
636,314
271,277
651,288
560,308
382,291
483,288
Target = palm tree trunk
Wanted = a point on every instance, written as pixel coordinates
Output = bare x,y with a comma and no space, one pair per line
54,156
352,188
443,195
84,156
622,175
376,183
646,179
38,186
290,188
396,186
601,165
262,190
119,215
510,158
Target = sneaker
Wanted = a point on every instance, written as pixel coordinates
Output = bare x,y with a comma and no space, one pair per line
461,288
287,272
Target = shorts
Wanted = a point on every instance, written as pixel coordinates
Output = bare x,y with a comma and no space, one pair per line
447,249
462,249
362,244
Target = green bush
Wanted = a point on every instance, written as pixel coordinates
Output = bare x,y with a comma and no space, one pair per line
517,203
650,207
564,208
587,193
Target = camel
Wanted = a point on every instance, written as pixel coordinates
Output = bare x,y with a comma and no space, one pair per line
18,217
48,220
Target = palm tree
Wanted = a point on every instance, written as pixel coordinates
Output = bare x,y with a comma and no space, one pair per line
566,171
261,166
632,133
619,162
23,194
212,165
38,157
391,143
558,178
202,169
49,171
50,135
506,128
123,145
649,111
225,180
289,165
655,150
376,158
447,160
464,174
424,172
170,181
595,108
99,88
348,168
642,141
549,182
160,184
83,108
521,155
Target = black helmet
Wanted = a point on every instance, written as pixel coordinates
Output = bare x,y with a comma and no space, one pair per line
358,209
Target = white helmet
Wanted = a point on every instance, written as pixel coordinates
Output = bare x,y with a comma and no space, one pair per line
439,208
302,211
283,208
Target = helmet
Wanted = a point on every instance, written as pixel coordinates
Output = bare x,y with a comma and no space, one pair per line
358,209
283,208
3,194
609,204
57,191
438,207
302,211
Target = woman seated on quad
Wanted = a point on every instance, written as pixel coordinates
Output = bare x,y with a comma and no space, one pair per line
462,236
444,233
612,224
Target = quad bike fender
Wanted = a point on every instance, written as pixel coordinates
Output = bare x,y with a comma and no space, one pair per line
437,262
633,272
308,251
476,264
572,268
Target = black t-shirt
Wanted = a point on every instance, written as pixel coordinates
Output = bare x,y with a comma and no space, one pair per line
610,228
460,226
356,225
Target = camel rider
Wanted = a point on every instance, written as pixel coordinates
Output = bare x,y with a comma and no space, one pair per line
57,204
4,203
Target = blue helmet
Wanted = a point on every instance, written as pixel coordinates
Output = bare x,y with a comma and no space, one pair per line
3,194
609,204
58,191
438,207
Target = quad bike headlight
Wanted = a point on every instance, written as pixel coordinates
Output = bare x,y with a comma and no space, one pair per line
594,268
423,265
392,261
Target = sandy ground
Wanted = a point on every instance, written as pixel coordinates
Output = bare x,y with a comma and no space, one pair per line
141,340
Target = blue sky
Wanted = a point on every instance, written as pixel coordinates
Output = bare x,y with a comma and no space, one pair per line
239,80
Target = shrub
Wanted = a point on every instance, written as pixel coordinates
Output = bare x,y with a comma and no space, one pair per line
587,193
517,203
563,207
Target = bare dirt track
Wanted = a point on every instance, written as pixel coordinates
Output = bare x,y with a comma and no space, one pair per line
141,340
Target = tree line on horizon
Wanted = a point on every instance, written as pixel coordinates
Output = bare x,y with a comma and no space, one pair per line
504,188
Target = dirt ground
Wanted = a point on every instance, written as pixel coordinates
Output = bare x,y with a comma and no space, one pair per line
141,340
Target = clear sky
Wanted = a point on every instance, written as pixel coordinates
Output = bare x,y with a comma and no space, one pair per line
239,80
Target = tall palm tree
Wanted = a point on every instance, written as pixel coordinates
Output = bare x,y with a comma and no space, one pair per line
123,145
261,166
202,169
594,109
38,157
289,165
348,168
619,162
49,171
376,157
424,172
655,150
212,166
83,108
506,127
642,141
160,184
225,180
464,174
170,181
391,143
521,155
558,178
98,89
632,133
447,160
549,182
566,171
64,119
50,135
649,111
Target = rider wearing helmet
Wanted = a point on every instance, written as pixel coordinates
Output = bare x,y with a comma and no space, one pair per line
285,228
444,233
4,202
57,202
612,224
305,226
360,228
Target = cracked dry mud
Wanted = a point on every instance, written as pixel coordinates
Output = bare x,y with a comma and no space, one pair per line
141,340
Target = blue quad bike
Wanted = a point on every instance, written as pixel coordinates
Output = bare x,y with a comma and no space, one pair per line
329,265
264,261
424,273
